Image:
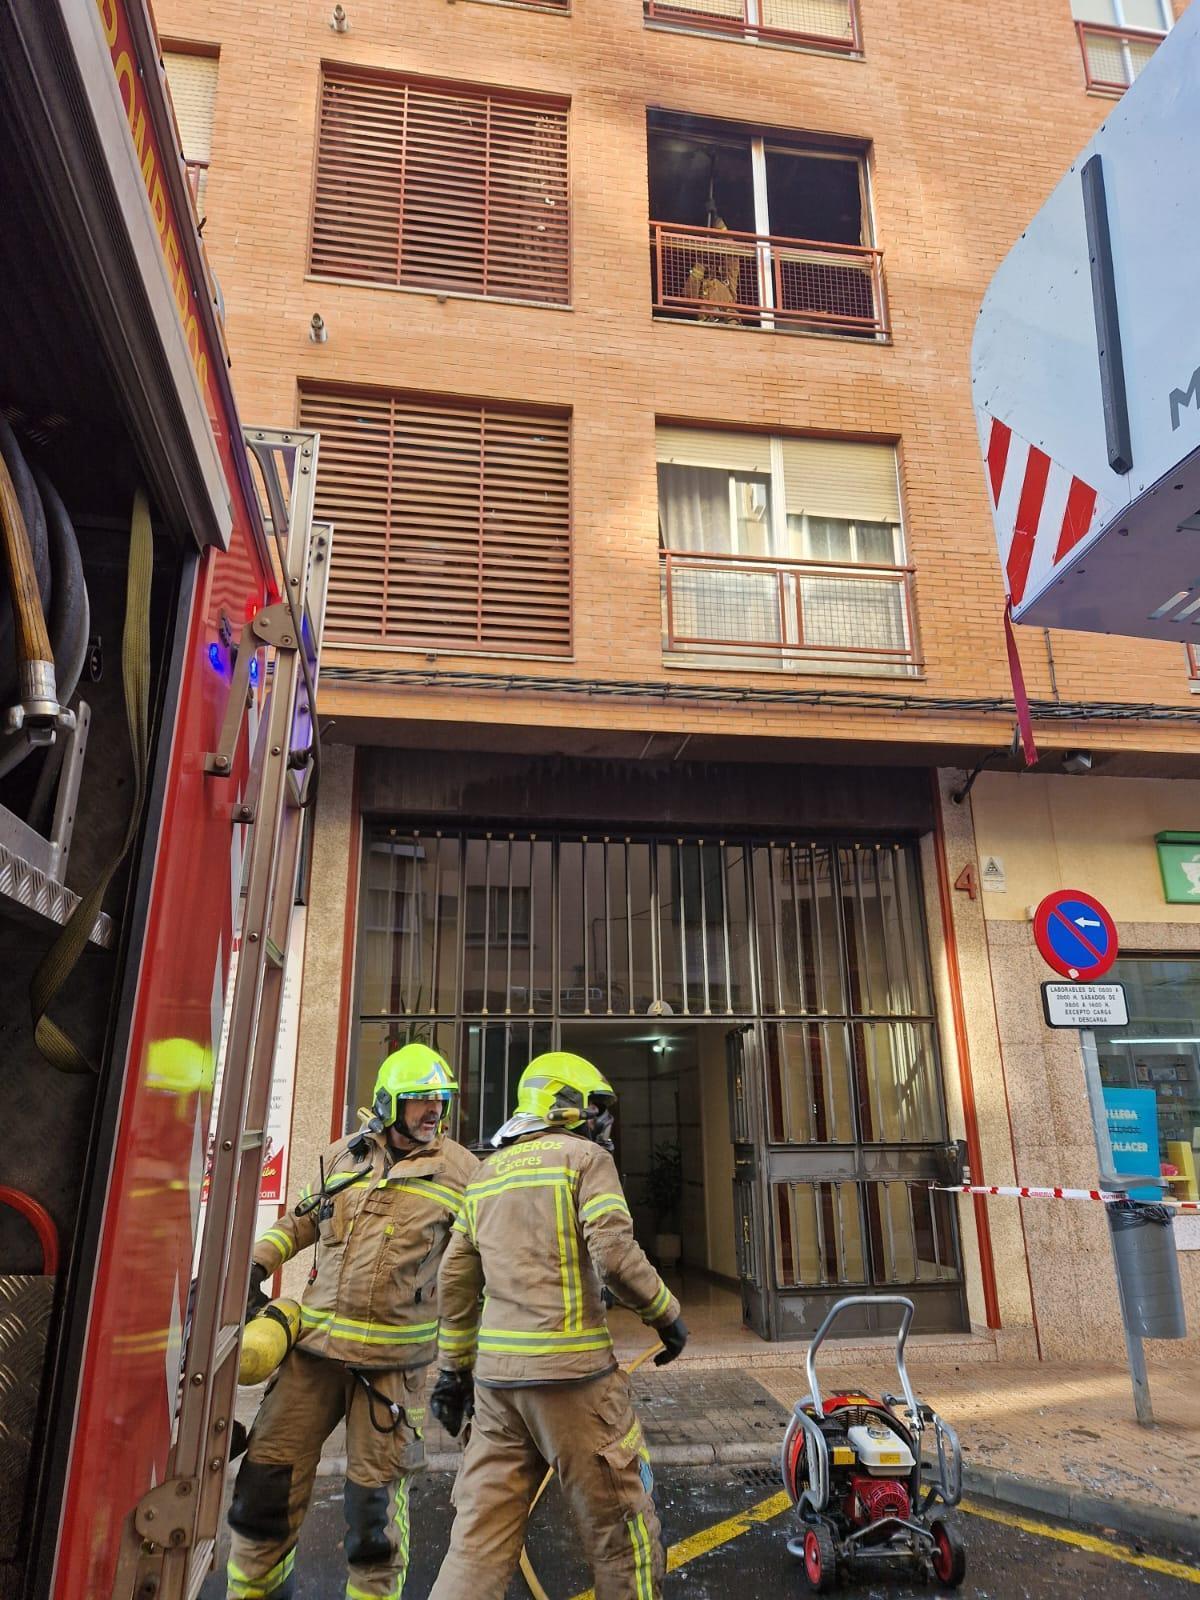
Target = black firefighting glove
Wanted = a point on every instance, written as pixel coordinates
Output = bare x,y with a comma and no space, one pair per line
674,1337
257,1297
453,1399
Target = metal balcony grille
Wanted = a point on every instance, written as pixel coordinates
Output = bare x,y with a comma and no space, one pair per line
819,24
447,187
788,611
1113,57
453,522
763,280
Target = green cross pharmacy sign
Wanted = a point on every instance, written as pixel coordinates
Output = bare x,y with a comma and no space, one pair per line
1179,864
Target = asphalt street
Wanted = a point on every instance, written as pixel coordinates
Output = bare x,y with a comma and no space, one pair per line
731,1539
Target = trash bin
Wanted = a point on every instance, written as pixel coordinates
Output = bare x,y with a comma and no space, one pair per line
1148,1268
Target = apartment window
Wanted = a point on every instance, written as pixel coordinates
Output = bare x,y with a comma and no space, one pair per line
452,522
441,186
192,80
783,553
759,230
1117,38
812,24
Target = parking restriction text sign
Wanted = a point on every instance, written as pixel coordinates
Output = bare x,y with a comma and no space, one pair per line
1085,1005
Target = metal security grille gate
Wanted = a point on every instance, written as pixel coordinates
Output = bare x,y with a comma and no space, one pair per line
813,953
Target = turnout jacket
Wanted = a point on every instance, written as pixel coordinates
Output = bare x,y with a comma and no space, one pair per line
545,1224
380,1219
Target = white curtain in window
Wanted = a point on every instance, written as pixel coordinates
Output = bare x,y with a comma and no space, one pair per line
693,509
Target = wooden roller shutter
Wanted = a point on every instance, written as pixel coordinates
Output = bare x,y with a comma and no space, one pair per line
712,447
192,80
442,187
452,522
835,478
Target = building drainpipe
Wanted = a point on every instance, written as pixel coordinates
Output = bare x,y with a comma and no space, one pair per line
987,1264
341,1067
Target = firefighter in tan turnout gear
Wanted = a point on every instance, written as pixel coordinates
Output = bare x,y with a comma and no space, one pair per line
380,1218
545,1226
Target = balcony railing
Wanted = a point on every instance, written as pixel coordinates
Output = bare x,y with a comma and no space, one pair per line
814,24
787,612
1113,57
197,178
764,281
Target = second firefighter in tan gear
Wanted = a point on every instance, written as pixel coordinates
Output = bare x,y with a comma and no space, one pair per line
545,1228
380,1217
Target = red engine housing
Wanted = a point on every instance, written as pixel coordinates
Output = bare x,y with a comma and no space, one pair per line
878,1498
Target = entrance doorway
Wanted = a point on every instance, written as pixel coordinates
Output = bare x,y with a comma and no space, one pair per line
674,1151
765,1003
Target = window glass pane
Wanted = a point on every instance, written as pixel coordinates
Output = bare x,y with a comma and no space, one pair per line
797,909
693,509
818,1235
876,543
1159,1053
1103,11
825,538
809,1094
1144,14
896,1077
814,197
645,978
409,924
752,497
885,953
737,908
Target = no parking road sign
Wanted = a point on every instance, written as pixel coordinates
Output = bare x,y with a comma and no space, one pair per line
1075,935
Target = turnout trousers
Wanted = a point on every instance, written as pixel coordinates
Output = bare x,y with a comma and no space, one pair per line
304,1403
588,1433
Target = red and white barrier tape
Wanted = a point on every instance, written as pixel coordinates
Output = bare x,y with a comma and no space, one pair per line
1028,1191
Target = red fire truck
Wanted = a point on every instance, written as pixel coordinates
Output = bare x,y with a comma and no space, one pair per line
161,597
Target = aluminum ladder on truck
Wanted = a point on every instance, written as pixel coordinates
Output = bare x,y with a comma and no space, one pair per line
177,1521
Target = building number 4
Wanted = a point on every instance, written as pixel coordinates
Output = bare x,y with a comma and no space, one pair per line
966,881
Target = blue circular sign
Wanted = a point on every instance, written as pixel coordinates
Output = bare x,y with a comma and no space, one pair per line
1075,934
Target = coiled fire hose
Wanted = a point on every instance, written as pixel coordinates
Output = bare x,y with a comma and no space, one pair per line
527,1572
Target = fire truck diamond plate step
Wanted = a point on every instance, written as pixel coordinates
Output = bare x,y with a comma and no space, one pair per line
28,887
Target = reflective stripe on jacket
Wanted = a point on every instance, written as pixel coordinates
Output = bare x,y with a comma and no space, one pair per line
544,1226
381,1223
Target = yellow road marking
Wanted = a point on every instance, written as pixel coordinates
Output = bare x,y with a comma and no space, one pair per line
1086,1541
699,1544
721,1533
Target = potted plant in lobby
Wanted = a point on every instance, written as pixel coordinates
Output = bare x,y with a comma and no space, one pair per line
663,1195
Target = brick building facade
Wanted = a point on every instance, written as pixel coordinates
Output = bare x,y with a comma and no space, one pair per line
642,372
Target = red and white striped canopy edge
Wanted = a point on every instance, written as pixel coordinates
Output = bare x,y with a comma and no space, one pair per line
1042,511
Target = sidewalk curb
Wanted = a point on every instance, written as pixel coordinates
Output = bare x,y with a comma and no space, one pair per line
1131,1517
